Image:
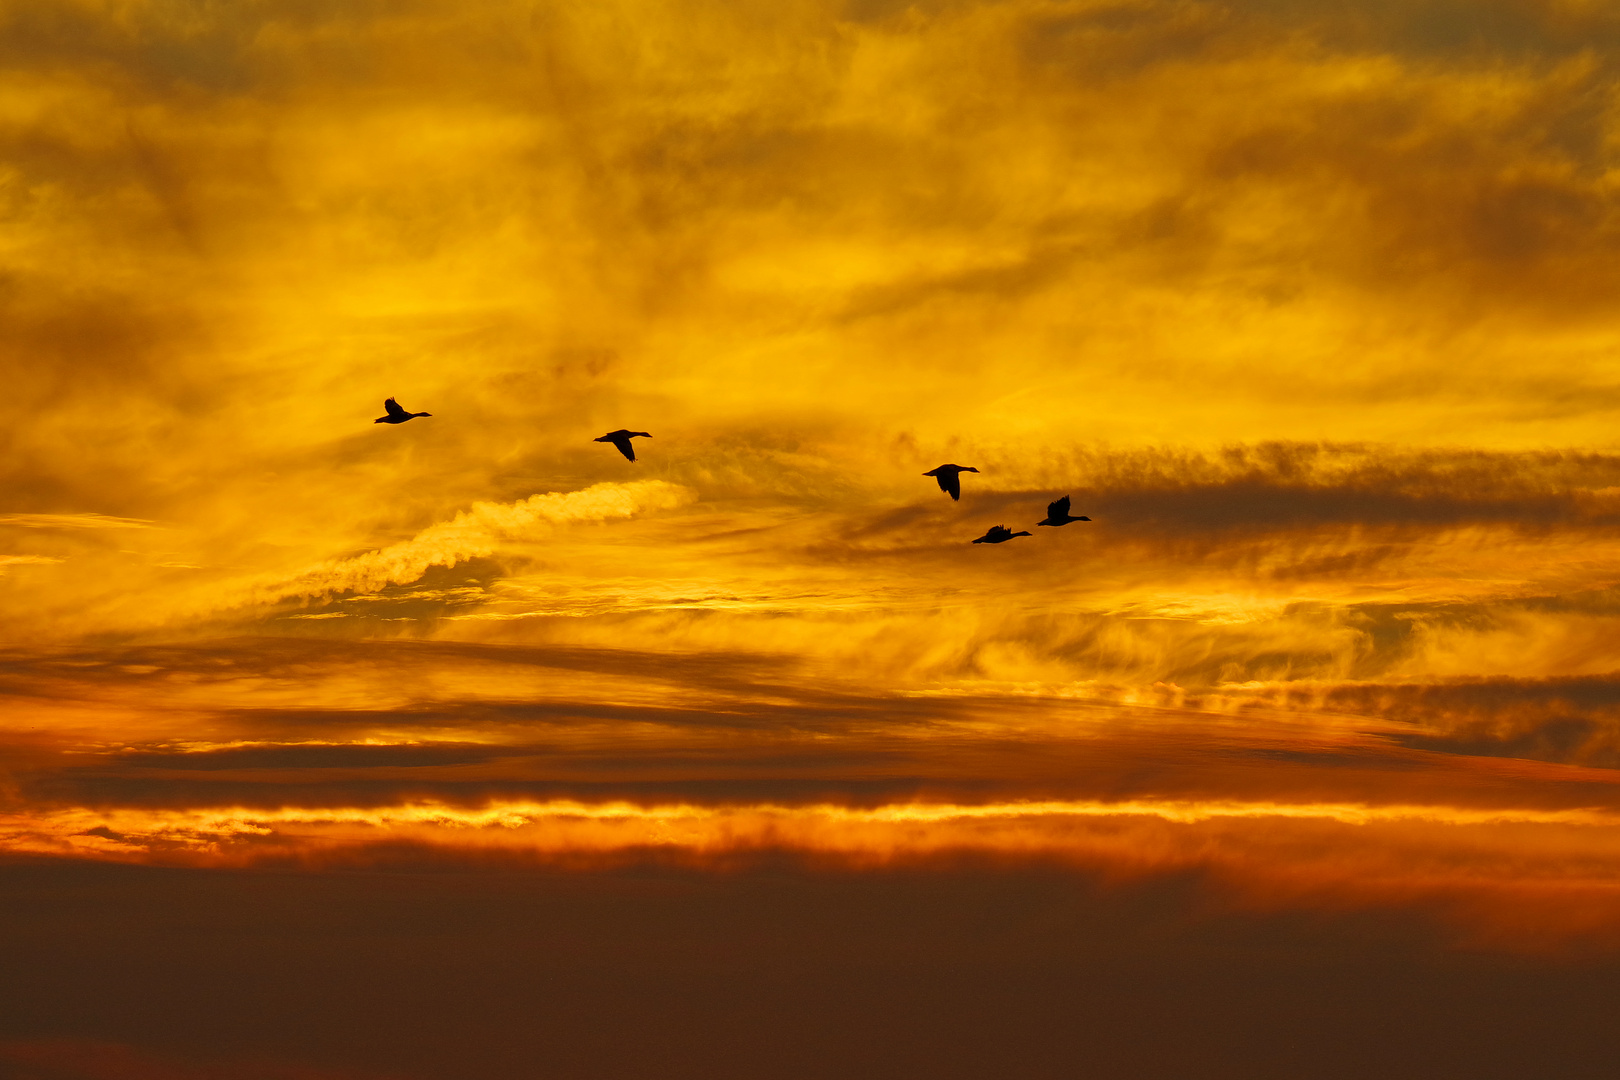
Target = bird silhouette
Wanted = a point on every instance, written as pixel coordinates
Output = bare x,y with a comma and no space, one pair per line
949,480
1058,513
621,439
999,534
396,415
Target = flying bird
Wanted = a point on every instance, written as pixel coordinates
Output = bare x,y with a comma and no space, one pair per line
1058,513
999,534
621,439
949,480
396,415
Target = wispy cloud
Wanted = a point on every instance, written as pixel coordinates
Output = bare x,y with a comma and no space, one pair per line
27,560
476,533
72,521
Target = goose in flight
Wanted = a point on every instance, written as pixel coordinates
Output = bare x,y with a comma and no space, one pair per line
396,415
621,439
999,534
1058,513
949,480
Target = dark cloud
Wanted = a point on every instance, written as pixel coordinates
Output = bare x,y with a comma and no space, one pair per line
440,969
1277,488
223,660
694,729
1572,720
1452,29
319,757
89,1059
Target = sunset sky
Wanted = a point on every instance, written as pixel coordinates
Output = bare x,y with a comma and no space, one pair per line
1309,306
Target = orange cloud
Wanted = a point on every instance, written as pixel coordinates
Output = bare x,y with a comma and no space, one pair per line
1310,310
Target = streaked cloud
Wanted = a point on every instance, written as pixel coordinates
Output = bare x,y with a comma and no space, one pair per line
475,533
71,521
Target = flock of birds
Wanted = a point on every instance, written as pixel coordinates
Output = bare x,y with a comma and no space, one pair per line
950,482
949,476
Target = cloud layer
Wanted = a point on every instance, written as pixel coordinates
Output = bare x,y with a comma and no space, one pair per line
1309,307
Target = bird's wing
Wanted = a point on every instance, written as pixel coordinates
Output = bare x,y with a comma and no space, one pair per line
392,408
1059,509
623,443
950,484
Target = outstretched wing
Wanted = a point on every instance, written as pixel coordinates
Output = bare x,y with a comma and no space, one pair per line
950,484
391,407
1059,510
623,443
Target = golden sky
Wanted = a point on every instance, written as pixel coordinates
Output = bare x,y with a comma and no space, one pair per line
1308,306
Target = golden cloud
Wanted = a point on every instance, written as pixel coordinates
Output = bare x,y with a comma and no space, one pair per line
1309,309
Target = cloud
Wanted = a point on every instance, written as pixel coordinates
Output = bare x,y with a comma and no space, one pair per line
71,521
1478,873
353,724
1066,222
476,533
1575,720
326,754
1308,307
